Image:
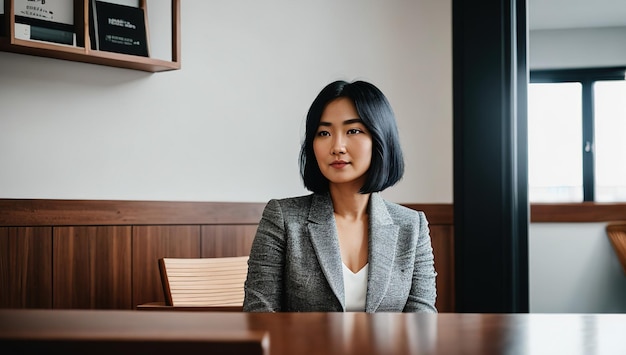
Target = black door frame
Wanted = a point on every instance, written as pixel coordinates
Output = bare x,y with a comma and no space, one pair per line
491,209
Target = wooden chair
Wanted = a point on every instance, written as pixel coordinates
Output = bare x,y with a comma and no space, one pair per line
617,234
204,282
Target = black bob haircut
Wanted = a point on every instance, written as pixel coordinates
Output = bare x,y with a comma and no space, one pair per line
387,164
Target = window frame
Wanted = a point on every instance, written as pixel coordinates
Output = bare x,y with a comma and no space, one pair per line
587,78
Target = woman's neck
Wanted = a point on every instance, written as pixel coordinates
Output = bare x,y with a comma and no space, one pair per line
349,204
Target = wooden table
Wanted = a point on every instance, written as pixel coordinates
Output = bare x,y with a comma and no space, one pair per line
313,333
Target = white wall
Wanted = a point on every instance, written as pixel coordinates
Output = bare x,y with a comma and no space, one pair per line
572,266
577,48
227,126
574,269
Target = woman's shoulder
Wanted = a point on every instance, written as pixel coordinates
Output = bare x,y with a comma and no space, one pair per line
292,201
404,213
290,204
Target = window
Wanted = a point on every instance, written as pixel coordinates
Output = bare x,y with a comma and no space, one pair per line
577,135
610,138
555,169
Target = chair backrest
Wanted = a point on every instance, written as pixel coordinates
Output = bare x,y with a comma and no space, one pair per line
204,281
617,234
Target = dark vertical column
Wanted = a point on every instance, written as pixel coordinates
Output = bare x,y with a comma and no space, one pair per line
490,155
588,144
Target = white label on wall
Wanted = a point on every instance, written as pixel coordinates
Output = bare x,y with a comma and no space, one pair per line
22,31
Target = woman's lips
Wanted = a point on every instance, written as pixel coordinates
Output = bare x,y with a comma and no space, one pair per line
338,164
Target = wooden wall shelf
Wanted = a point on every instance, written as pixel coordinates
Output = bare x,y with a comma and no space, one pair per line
82,51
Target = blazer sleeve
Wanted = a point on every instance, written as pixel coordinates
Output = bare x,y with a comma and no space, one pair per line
423,288
264,283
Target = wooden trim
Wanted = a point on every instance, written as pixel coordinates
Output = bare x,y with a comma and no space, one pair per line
577,212
41,212
18,212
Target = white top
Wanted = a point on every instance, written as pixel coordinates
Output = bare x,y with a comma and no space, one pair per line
355,288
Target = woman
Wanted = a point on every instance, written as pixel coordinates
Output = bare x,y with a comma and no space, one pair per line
343,247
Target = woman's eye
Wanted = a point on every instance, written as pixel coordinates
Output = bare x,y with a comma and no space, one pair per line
323,133
354,131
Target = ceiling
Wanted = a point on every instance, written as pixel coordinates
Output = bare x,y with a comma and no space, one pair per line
557,14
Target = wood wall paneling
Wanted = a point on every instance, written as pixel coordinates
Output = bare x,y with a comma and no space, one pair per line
227,240
25,267
92,267
442,239
151,243
436,213
93,238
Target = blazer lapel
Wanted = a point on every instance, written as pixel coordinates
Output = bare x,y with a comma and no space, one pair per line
323,234
382,251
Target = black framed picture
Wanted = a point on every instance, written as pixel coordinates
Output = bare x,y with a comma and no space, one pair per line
118,28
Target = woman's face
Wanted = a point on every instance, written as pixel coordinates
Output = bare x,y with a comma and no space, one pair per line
342,145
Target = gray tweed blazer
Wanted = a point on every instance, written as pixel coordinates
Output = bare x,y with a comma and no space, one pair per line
295,263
